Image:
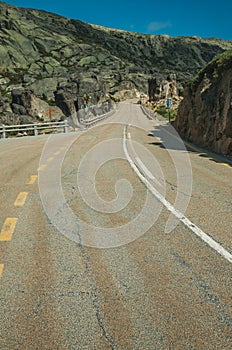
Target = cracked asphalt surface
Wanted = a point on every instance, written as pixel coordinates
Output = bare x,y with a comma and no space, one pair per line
159,291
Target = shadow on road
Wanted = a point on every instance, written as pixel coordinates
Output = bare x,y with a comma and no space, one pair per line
168,138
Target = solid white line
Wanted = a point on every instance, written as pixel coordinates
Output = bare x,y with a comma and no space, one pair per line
207,239
144,168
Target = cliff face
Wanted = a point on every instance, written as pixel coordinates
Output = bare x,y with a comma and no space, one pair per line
205,114
57,59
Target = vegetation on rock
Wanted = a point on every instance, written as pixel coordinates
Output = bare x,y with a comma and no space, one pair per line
45,53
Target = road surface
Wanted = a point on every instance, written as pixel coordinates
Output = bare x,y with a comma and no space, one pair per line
116,237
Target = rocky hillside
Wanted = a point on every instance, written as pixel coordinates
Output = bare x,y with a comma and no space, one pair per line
205,114
48,60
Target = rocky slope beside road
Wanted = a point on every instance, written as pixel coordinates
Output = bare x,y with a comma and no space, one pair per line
54,60
205,114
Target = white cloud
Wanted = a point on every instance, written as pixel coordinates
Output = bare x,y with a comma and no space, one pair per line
155,26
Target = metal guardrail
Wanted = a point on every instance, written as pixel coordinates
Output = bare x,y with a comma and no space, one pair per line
4,129
36,127
148,112
89,122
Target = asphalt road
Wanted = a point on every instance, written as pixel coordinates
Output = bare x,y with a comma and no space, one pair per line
116,237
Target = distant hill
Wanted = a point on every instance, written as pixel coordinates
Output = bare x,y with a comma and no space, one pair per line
53,59
205,114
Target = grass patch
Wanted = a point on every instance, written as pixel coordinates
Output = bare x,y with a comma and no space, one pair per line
163,111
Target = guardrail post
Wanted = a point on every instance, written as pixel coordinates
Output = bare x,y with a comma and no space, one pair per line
3,131
35,130
65,126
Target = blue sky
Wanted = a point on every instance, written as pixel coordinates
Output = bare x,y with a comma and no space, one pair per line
209,18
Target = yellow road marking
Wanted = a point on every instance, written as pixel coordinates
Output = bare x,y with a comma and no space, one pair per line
8,229
1,270
225,164
32,180
199,150
42,167
50,159
56,153
21,199
193,147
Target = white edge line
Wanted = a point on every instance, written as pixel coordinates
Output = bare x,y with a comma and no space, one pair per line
144,168
142,165
207,239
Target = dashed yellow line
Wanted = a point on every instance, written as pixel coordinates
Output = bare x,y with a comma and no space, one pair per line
56,153
8,229
1,270
42,167
32,180
50,159
21,199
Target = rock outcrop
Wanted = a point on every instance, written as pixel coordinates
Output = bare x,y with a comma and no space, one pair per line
159,88
59,59
25,103
205,114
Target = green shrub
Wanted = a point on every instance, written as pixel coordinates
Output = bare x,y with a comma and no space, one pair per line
163,111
